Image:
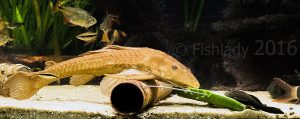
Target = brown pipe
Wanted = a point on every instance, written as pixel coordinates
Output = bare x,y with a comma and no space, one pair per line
134,96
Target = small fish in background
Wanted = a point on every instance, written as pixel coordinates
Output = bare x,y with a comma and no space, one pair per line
281,91
59,2
88,37
2,25
76,16
12,25
4,39
252,101
108,22
117,36
106,27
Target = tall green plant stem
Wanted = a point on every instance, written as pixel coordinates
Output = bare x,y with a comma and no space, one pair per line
38,19
192,13
23,30
199,13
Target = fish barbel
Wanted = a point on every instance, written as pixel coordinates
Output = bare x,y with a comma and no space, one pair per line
77,16
4,39
111,59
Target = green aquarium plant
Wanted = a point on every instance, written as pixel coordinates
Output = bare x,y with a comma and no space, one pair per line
44,30
192,13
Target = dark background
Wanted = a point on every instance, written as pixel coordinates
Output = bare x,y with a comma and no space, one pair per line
160,25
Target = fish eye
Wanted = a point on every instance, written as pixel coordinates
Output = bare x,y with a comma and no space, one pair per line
174,67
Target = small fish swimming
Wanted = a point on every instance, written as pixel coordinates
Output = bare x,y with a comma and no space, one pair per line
282,91
114,36
59,2
117,36
108,22
88,37
4,39
14,25
5,24
106,27
109,60
77,16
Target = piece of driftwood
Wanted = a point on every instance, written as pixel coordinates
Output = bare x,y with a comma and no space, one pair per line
31,61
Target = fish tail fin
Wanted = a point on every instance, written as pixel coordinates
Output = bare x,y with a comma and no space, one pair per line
23,85
20,85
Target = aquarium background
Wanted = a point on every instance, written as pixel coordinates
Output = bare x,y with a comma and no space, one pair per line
209,36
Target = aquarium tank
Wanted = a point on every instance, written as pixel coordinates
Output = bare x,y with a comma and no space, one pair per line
91,59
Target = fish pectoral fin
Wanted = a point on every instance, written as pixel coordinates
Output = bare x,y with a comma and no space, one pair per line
77,80
108,84
131,74
49,64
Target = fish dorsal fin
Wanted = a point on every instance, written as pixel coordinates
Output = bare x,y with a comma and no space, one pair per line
132,74
117,47
94,52
77,80
108,84
49,64
109,48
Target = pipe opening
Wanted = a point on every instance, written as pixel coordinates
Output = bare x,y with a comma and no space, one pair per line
127,98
